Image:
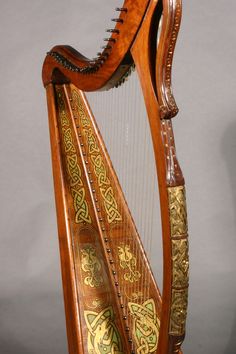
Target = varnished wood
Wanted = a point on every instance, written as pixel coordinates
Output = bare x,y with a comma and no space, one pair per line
68,272
66,74
117,61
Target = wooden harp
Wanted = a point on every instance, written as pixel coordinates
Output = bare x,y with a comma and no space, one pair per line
112,302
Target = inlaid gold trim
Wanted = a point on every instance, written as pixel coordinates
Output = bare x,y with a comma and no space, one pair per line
178,213
104,183
180,260
178,312
73,169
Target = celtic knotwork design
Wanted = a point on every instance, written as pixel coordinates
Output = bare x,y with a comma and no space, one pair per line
103,335
178,311
92,143
68,140
128,261
104,183
91,265
62,109
146,326
110,205
180,259
178,214
80,206
100,170
73,169
80,109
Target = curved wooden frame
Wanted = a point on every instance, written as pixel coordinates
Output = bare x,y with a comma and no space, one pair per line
133,41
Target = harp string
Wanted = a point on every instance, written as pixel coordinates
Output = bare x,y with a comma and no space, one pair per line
121,117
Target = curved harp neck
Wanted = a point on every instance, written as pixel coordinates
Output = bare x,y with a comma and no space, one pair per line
110,66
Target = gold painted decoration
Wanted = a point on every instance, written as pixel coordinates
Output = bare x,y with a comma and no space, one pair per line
73,169
178,214
178,312
128,261
91,265
103,335
146,326
180,260
104,183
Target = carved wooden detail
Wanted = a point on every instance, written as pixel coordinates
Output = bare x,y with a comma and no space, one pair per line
169,34
180,260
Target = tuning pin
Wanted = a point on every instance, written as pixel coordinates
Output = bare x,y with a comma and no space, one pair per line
102,56
124,9
94,60
113,30
109,39
117,20
106,47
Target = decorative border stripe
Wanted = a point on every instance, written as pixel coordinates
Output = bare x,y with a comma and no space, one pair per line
104,183
71,158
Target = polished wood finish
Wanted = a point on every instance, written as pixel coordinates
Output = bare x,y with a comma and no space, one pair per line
65,240
66,74
111,65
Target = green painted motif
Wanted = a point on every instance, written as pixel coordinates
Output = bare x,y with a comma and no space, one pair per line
146,326
103,336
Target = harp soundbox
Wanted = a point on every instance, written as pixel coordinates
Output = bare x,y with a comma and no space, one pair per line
112,300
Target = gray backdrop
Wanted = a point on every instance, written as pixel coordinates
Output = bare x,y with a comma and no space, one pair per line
31,305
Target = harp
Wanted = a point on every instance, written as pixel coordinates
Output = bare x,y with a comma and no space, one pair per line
112,301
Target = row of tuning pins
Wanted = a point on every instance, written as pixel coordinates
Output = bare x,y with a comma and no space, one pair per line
102,56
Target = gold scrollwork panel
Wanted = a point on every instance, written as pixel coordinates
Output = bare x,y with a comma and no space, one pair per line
178,211
180,259
178,312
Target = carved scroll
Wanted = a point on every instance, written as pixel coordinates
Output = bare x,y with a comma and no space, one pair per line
172,11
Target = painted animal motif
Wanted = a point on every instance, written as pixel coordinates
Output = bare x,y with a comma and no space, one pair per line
128,261
92,266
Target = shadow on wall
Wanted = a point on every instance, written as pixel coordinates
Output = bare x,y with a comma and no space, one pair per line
229,155
230,349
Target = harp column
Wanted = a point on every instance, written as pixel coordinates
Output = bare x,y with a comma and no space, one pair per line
161,107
